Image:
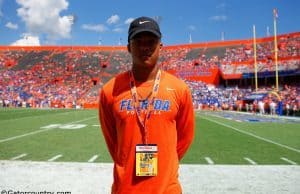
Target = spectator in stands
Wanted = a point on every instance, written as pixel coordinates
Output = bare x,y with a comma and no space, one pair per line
247,107
261,107
287,109
146,109
295,109
272,108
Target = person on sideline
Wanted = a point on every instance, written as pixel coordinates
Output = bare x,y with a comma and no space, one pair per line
147,118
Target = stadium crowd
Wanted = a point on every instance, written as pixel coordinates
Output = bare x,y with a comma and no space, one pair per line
240,59
210,97
71,77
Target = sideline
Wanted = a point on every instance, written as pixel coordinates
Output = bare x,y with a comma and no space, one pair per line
96,178
40,131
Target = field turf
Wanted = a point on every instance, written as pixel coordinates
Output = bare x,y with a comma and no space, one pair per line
221,138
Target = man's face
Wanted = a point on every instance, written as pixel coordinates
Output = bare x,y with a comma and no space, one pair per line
144,48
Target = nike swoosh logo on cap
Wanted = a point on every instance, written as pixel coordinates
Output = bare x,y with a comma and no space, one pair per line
142,22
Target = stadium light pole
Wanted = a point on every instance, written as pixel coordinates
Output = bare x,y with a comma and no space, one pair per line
190,39
99,41
158,19
72,19
222,36
268,31
255,61
275,46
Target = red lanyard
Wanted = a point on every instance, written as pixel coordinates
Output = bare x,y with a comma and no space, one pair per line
150,105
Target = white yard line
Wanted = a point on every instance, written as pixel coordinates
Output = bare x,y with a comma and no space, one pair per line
23,135
93,158
288,161
253,135
38,131
19,156
250,161
55,158
209,160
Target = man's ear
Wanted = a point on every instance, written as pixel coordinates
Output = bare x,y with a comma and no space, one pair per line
128,48
160,45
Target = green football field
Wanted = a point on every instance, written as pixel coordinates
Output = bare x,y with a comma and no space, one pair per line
75,136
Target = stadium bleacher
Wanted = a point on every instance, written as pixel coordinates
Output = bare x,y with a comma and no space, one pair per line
71,76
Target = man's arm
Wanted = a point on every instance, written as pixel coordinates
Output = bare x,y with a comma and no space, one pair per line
107,122
185,124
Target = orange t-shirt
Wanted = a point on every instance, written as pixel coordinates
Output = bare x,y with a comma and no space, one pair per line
171,127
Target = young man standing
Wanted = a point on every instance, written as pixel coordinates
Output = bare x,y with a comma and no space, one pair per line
147,118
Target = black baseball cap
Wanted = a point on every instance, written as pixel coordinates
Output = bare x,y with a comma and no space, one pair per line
143,24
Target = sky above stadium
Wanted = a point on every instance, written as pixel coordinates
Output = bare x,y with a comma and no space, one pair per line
97,22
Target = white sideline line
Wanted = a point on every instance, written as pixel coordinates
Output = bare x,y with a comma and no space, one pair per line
253,135
55,158
289,161
250,161
19,156
93,158
209,160
38,131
